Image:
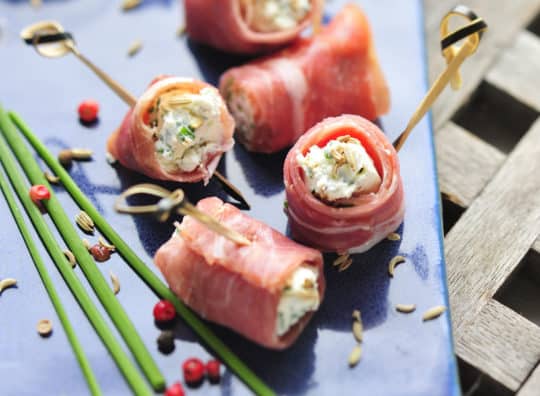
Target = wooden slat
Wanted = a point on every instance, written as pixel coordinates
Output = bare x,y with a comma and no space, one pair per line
516,72
502,344
532,385
505,21
465,162
494,234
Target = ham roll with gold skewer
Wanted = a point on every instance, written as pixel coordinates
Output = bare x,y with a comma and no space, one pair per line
249,26
177,130
267,291
276,99
343,186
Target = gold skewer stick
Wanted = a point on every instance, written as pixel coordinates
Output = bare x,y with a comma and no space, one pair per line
175,201
67,45
316,18
454,56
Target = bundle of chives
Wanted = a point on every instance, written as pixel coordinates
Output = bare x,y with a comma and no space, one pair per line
49,287
84,259
146,274
134,379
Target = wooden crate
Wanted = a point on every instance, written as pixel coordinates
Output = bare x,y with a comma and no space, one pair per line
488,148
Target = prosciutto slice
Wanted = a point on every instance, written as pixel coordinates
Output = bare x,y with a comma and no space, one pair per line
133,143
276,99
368,218
236,286
220,24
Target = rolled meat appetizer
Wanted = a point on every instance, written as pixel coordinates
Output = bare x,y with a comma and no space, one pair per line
343,186
276,99
177,131
248,26
266,291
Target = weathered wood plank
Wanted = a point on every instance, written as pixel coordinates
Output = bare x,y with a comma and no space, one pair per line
465,163
493,235
532,386
502,344
505,22
516,72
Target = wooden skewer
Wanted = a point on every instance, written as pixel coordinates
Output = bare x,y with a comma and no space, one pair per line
53,32
454,56
316,19
175,201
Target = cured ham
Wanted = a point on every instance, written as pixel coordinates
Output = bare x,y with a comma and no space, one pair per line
251,289
177,131
276,99
248,26
343,186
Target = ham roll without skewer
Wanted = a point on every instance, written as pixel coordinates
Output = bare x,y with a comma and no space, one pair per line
177,131
266,291
276,99
343,186
248,26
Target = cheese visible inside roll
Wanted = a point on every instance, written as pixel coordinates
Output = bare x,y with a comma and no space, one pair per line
267,16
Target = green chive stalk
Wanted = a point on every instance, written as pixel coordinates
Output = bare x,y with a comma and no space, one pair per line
49,287
160,289
87,264
130,372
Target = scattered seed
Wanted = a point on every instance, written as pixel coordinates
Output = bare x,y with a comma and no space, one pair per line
7,282
433,313
405,308
71,258
357,327
345,265
393,236
395,261
86,244
355,356
65,158
44,327
340,260
36,3
356,315
111,160
165,341
104,243
85,222
100,253
130,4
181,30
115,283
81,154
134,48
51,178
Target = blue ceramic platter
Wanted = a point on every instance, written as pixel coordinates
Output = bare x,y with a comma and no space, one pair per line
401,354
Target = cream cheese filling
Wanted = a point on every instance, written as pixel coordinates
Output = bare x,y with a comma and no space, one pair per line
268,16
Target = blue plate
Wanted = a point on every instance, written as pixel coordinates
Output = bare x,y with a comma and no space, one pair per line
401,354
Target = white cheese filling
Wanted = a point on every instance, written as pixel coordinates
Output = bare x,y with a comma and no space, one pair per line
275,15
300,296
240,108
188,130
339,170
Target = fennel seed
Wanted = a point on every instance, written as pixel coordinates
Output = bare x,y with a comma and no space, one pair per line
357,327
115,282
70,257
433,313
345,265
130,4
105,244
44,327
86,244
134,48
181,30
393,236
7,282
355,355
81,154
85,222
51,178
340,260
393,263
405,308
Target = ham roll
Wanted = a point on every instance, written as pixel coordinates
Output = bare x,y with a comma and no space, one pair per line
248,26
276,99
343,186
177,131
266,291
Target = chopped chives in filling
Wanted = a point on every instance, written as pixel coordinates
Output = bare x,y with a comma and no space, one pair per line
186,128
300,296
339,170
275,15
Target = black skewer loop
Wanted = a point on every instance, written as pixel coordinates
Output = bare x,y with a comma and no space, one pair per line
42,38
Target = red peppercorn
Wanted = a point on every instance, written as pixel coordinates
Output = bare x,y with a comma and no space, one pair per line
100,253
38,193
88,110
164,311
213,368
193,370
175,389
